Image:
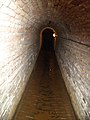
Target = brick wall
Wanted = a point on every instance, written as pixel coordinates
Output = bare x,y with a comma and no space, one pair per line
20,24
74,61
18,53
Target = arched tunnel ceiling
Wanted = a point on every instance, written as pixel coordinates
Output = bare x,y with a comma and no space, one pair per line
71,15
21,22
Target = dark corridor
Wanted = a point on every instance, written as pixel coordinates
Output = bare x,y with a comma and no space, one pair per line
47,39
45,96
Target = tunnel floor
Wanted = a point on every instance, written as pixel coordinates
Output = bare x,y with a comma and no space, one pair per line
45,96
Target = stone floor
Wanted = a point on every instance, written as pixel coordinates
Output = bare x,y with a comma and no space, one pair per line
45,96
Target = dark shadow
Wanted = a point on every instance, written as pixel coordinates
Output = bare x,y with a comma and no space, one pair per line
47,40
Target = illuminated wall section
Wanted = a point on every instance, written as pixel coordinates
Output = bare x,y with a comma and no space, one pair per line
18,53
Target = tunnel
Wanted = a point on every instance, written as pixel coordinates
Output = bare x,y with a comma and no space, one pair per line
25,26
47,39
45,96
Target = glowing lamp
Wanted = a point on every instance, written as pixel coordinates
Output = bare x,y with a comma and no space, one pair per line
54,35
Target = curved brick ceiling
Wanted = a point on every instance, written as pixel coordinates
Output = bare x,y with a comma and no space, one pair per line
21,22
72,14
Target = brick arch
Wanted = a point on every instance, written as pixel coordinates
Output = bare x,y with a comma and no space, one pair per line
54,37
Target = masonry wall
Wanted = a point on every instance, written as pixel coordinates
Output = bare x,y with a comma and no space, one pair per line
18,53
74,61
21,22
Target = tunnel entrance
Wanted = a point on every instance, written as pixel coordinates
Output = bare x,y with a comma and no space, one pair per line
47,39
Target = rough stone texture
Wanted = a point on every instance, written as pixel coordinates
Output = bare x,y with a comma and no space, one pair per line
20,24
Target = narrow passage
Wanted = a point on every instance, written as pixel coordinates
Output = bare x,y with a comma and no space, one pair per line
45,96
